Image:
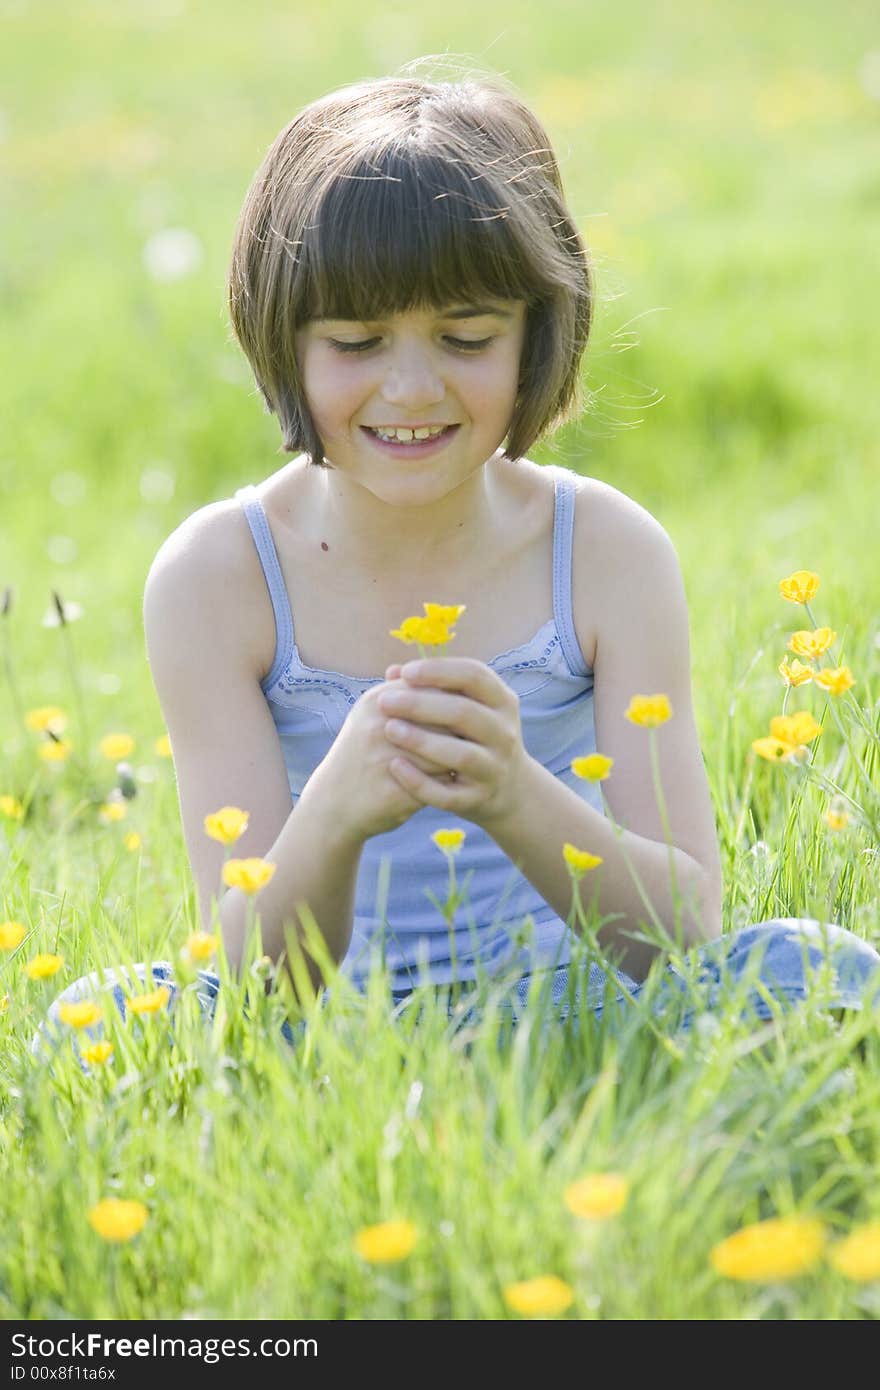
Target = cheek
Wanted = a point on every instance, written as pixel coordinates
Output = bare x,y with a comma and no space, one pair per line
333,396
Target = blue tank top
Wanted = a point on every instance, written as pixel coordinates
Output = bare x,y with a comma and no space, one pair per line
505,924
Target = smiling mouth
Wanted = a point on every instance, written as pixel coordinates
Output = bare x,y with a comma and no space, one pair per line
428,438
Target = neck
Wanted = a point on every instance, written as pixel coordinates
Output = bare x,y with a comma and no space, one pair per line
390,540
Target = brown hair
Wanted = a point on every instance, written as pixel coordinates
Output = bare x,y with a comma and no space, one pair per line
403,193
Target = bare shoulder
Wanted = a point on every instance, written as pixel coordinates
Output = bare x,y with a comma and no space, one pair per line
620,551
207,571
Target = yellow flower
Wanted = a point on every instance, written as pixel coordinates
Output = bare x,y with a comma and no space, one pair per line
535,1298
42,966
112,811
387,1242
597,1195
427,631
116,746
132,840
81,1014
834,679
649,710
12,934
117,1220
4,1004
580,861
448,614
593,768
162,747
12,808
795,729
811,644
775,750
837,820
52,752
201,945
800,586
858,1256
150,1003
226,825
794,672
250,875
432,630
96,1053
449,841
767,1251
48,718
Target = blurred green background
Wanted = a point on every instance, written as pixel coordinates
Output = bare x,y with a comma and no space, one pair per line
720,159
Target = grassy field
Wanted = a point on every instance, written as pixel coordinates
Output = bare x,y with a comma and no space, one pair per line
722,162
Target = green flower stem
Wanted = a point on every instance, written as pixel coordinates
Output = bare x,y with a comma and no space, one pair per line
77,688
449,915
9,670
578,914
667,831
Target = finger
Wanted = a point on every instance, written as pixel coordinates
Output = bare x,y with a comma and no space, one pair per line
445,795
459,673
448,752
458,713
392,673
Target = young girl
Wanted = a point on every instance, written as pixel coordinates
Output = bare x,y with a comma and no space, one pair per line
414,298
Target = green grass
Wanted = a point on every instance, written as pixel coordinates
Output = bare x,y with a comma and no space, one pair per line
723,164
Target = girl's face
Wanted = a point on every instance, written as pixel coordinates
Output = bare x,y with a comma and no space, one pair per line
455,368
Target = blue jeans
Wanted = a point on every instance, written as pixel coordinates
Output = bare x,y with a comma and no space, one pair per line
765,966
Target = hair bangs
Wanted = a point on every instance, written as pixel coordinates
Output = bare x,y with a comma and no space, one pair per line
409,233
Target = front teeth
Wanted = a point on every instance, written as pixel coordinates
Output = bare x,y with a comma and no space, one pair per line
405,436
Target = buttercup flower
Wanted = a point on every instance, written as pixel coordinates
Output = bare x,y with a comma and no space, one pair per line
448,613
769,1251
201,945
387,1242
580,861
132,840
598,1195
118,1220
541,1297
11,807
800,586
858,1255
834,680
97,1053
811,644
649,710
449,841
53,752
4,1004
45,719
116,746
794,672
112,811
432,630
593,768
81,1014
795,729
12,934
150,1003
226,825
775,750
162,746
42,966
837,820
250,875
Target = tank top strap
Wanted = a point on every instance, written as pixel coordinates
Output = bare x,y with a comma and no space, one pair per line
563,531
259,523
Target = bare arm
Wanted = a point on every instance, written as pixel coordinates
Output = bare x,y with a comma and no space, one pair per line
202,649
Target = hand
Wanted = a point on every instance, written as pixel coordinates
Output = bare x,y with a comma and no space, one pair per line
457,713
354,782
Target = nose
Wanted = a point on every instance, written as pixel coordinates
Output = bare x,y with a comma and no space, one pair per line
412,380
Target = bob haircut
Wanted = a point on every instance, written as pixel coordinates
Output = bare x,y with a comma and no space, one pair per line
401,194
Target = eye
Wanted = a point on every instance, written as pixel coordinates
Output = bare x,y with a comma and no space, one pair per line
460,344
